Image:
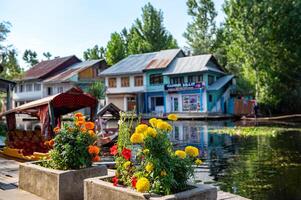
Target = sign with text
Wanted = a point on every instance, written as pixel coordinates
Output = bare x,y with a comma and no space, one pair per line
183,86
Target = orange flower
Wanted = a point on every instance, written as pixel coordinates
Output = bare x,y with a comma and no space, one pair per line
80,121
51,143
96,159
83,129
56,130
92,149
89,125
91,132
78,115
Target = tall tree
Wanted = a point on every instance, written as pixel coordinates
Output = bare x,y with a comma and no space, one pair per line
201,32
95,53
116,49
149,34
263,48
47,55
30,57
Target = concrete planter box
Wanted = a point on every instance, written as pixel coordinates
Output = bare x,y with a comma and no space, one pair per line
100,189
54,184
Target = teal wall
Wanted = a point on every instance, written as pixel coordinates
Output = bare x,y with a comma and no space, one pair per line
154,88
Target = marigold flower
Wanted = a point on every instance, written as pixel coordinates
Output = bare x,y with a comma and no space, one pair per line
192,151
56,130
78,114
83,129
198,162
164,126
134,182
153,122
141,128
172,117
126,153
126,164
96,158
163,173
142,185
51,143
114,150
149,167
180,153
92,149
137,138
115,180
146,151
151,131
80,121
91,132
89,125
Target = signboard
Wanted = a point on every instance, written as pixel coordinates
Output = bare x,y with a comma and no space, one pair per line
183,86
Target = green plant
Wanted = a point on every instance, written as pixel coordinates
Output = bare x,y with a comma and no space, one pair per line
73,146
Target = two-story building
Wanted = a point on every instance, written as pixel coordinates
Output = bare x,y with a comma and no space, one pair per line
54,76
172,82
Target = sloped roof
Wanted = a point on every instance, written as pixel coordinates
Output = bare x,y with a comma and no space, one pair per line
43,68
71,71
192,64
219,83
138,62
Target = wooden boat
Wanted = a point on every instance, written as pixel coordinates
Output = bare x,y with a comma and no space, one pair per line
32,144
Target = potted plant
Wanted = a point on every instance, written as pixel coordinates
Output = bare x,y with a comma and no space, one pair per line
148,167
70,162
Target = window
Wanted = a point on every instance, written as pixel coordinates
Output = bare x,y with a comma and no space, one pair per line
131,103
37,87
138,80
159,101
195,79
28,87
21,88
156,79
49,91
125,81
210,79
60,89
210,98
112,82
176,80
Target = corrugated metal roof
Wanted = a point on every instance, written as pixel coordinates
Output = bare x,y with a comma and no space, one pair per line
71,71
219,83
138,62
191,64
43,68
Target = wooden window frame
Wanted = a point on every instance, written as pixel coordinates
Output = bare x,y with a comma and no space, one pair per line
125,81
138,81
115,82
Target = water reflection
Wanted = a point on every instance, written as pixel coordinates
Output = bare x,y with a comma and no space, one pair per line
254,167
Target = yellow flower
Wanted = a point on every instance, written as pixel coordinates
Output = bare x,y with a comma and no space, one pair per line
141,128
163,173
142,185
172,117
192,151
151,131
126,164
146,151
153,122
198,162
181,154
149,167
91,132
137,138
164,126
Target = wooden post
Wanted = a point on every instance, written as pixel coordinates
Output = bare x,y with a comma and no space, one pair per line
8,103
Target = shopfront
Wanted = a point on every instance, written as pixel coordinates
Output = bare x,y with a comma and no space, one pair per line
185,97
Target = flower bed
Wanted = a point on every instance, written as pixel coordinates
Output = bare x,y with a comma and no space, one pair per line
146,162
73,152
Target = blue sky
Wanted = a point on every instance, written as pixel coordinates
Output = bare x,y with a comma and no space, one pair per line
66,27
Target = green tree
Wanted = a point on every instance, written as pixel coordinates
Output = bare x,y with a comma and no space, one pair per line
116,49
95,53
149,34
47,55
30,57
262,47
201,32
97,90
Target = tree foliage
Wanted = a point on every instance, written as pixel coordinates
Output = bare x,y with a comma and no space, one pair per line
30,57
116,49
95,53
47,55
201,32
98,90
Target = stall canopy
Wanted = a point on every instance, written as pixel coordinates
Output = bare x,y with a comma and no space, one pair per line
49,109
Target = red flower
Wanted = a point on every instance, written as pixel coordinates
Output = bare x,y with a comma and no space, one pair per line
113,150
127,153
115,180
134,181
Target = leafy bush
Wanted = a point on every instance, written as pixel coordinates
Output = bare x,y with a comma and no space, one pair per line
148,163
73,146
